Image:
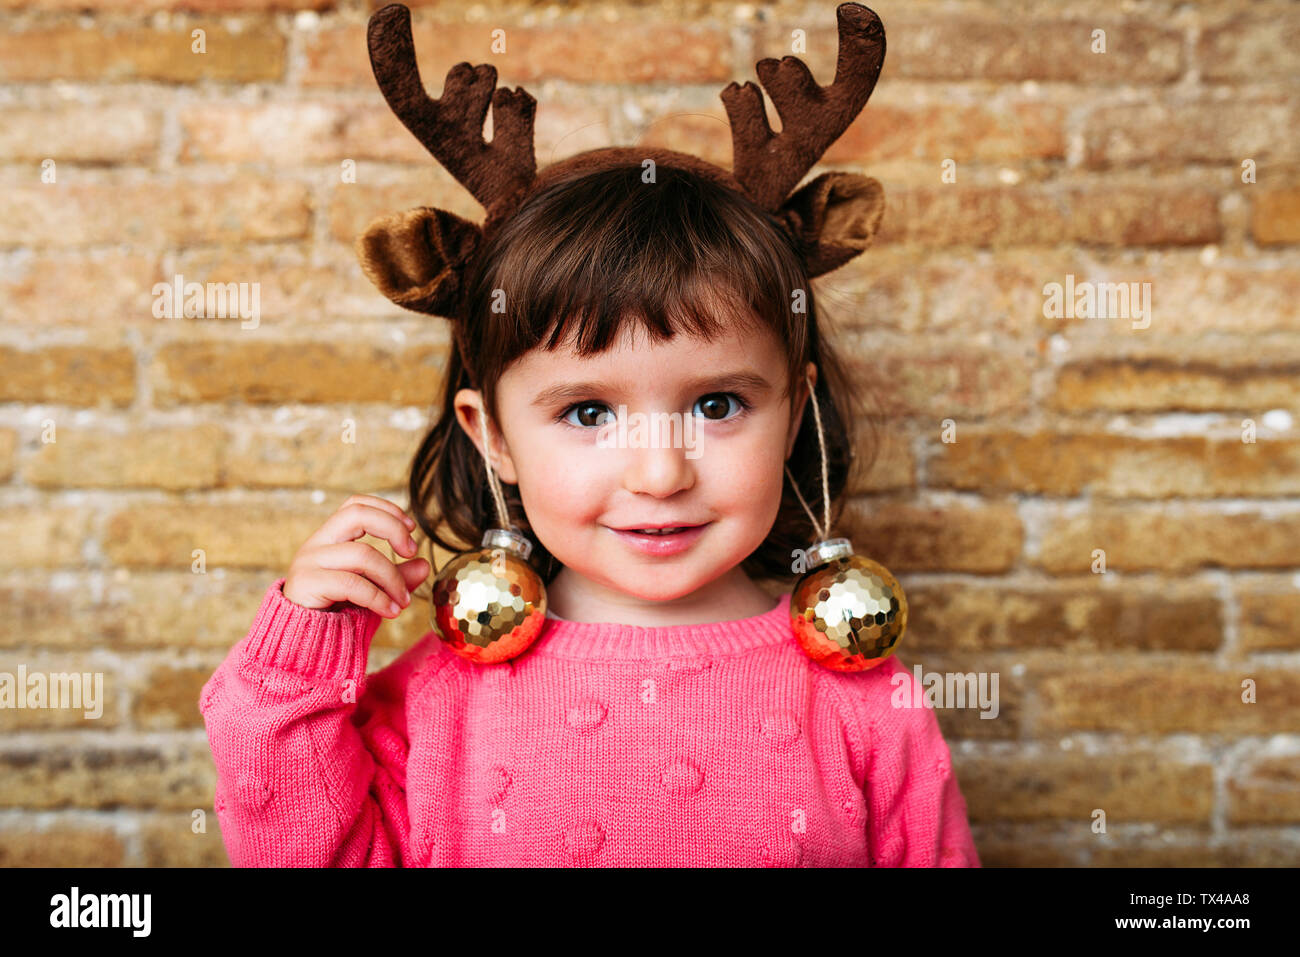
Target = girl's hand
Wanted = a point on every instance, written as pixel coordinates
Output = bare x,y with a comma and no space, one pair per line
332,566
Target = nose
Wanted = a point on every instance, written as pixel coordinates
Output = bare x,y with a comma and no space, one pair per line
656,467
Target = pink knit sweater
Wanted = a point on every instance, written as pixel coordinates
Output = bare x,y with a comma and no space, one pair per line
603,745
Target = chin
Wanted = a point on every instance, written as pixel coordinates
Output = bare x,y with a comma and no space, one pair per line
660,590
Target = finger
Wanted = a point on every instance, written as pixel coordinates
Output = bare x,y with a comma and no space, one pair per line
347,586
381,503
353,521
366,561
415,572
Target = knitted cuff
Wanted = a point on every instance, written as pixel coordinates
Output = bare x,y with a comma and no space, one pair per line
310,642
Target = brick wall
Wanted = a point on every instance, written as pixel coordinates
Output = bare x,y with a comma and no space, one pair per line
1024,449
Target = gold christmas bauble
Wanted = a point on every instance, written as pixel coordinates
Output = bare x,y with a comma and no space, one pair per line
489,605
848,612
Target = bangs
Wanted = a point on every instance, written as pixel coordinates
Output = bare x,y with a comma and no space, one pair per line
585,257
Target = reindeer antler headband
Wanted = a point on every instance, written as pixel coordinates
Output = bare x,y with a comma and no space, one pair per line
418,258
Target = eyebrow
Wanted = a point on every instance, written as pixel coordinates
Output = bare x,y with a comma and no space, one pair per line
726,382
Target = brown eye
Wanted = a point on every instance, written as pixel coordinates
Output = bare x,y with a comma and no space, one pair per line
589,415
716,406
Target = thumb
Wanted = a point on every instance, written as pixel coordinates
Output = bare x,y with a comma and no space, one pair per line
414,572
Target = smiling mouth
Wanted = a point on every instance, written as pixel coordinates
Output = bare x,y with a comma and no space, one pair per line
665,530
665,541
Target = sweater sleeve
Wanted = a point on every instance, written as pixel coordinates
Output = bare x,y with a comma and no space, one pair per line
916,814
310,754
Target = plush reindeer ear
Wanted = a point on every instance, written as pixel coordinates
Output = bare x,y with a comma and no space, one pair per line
417,258
834,217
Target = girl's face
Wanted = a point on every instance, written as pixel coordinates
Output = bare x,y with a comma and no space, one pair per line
586,467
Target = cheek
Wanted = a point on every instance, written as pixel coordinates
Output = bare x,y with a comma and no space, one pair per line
555,484
745,477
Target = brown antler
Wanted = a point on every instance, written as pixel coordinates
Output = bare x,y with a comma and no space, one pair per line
451,128
769,164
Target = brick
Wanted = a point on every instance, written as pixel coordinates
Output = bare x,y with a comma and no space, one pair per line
1070,785
583,51
80,134
105,54
169,840
886,463
1106,464
68,375
962,132
42,538
1139,216
1171,540
938,382
167,698
887,297
1250,47
162,458
1006,702
318,457
1267,618
1158,384
134,609
959,215
47,289
352,208
339,57
1167,698
1267,792
1040,850
1236,851
231,536
1190,130
1275,216
564,129
296,134
103,695
911,290
1188,297
8,453
273,372
705,133
163,213
140,6
179,776
1077,617
905,537
630,51
290,290
955,214
957,47
61,845
153,610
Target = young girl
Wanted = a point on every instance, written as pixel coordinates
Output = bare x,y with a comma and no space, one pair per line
665,715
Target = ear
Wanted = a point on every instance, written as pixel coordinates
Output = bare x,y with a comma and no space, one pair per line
468,404
835,217
417,258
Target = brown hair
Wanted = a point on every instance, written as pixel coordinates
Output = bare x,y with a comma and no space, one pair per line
579,259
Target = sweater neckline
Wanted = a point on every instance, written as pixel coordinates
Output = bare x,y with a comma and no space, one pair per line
607,640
